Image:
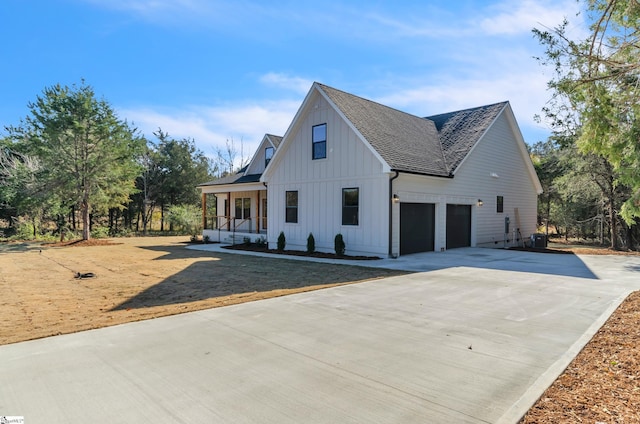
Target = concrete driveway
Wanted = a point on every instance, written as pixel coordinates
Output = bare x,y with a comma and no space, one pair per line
474,336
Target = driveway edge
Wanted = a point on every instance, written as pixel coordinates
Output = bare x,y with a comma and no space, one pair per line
518,410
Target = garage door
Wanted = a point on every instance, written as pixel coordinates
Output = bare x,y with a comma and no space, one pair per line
458,226
417,227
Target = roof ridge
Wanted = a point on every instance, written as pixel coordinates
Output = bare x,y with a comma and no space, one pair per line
467,109
369,100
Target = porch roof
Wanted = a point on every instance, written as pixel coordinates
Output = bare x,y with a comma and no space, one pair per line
238,178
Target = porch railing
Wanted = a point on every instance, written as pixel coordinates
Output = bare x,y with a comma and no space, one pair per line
232,224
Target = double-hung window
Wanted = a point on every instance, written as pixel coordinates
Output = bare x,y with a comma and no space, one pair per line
291,207
500,204
319,141
243,208
268,154
350,206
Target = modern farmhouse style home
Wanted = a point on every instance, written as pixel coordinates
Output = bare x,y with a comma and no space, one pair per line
390,182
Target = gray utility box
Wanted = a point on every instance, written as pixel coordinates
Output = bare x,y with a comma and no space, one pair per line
538,241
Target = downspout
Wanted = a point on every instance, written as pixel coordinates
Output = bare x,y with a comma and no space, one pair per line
391,210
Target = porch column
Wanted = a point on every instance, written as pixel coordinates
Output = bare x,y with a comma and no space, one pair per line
227,211
204,210
258,211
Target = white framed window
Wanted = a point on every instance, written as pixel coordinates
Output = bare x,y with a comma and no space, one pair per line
291,207
243,208
350,206
268,154
319,141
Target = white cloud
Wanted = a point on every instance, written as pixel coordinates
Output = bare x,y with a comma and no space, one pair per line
520,17
186,14
386,26
501,18
280,80
526,91
154,8
211,126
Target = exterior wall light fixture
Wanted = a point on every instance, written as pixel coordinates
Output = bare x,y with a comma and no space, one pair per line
396,198
480,203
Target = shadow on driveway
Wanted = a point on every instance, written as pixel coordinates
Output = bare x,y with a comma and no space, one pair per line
568,265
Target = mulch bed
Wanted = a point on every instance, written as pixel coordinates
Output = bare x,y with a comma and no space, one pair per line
602,384
255,248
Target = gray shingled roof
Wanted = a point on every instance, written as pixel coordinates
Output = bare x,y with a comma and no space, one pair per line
229,179
434,145
459,131
234,179
406,142
275,139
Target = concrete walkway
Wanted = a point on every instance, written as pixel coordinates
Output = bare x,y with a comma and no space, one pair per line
473,336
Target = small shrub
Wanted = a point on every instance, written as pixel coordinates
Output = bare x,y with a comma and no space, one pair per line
282,241
122,232
100,232
339,245
261,241
311,243
206,239
247,241
186,218
24,229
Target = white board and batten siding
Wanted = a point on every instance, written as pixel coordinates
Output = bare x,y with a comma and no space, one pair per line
495,167
349,163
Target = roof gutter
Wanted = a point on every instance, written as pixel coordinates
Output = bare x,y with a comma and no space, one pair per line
391,208
450,175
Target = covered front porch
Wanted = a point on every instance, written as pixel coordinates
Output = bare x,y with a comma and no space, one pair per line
231,213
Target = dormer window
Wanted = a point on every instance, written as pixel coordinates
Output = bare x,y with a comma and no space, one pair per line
268,154
319,141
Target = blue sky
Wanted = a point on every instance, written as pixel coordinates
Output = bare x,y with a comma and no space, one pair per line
216,70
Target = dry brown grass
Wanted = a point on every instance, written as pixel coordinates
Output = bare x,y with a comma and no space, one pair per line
141,278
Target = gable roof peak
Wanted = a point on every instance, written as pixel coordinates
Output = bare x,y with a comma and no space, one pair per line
460,130
275,139
406,142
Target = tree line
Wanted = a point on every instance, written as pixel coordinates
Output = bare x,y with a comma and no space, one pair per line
72,159
590,166
73,166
